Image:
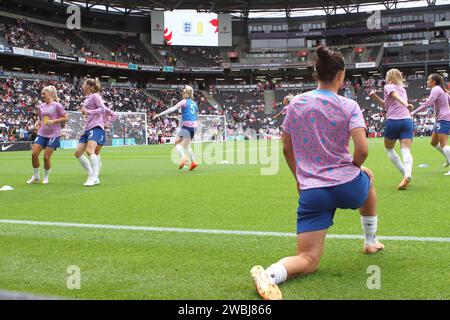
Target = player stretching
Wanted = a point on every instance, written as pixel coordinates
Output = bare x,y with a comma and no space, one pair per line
399,124
286,102
108,118
94,130
439,100
189,114
316,134
51,115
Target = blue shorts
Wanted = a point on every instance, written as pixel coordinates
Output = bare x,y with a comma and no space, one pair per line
399,129
47,142
96,134
442,127
187,132
317,206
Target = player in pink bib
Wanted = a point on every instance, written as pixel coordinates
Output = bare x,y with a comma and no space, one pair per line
399,124
316,134
94,130
439,99
286,102
51,115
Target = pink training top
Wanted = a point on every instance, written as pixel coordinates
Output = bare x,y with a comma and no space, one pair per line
95,109
319,123
109,117
395,110
53,111
284,110
440,100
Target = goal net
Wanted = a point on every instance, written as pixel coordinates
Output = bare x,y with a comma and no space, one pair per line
211,128
130,128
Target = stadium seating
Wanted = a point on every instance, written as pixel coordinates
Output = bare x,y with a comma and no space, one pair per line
25,34
197,56
18,33
121,48
244,109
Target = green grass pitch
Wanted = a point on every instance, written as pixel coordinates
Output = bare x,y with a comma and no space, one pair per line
142,187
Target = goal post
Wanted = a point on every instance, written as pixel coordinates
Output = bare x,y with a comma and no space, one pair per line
129,129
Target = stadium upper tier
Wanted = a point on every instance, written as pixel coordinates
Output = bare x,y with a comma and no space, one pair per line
403,36
130,49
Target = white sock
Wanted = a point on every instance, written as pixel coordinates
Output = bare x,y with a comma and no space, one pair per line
180,151
438,148
446,151
93,159
369,226
85,164
99,163
407,161
395,159
36,173
47,173
277,272
190,153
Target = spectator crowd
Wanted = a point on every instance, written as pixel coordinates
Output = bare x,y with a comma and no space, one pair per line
243,109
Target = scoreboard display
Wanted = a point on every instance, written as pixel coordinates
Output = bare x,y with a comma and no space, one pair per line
190,28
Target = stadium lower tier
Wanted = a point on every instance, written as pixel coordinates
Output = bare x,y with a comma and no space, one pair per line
243,110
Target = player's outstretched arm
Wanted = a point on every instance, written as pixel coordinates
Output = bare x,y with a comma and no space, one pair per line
277,115
373,95
430,101
168,111
421,108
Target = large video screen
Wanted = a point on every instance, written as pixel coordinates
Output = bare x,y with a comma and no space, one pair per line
191,28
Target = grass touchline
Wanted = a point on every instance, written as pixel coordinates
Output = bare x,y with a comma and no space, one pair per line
211,231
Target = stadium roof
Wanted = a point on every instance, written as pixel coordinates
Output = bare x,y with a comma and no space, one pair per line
243,7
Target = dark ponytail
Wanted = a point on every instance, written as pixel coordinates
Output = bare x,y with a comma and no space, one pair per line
327,64
439,81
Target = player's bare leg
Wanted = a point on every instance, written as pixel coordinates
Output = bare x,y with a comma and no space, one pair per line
309,250
97,152
407,163
93,159
179,147
435,143
36,151
47,164
369,222
187,146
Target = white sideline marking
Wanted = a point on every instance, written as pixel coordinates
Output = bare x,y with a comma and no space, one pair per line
209,231
11,295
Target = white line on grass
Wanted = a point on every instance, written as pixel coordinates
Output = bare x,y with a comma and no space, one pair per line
11,295
209,231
